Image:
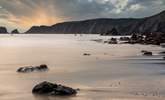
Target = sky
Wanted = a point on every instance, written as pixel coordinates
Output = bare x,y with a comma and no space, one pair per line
22,14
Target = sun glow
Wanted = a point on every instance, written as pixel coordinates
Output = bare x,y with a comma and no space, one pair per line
38,17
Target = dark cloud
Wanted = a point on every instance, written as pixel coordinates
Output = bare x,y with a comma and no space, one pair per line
15,11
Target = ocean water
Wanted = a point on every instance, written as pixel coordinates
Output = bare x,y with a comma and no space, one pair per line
112,72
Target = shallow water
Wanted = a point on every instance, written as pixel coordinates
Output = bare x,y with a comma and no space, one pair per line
112,72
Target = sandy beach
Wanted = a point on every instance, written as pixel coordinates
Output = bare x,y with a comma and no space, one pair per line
111,72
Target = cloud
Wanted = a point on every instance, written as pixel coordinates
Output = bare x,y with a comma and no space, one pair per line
25,13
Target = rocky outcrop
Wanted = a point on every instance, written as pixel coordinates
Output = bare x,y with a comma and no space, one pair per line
47,88
40,29
149,38
123,26
32,69
3,30
15,31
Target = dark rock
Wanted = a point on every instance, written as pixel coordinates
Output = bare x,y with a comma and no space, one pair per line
27,69
164,58
163,52
147,53
112,41
47,88
15,31
3,30
154,38
143,51
86,54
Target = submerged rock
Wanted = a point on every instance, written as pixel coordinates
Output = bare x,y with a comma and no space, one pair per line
47,88
27,69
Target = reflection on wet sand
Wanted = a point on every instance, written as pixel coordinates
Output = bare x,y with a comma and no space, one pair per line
117,71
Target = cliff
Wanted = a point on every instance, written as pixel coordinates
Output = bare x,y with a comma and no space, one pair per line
123,26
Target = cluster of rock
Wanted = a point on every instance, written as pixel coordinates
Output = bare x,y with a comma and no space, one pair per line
27,69
152,38
47,88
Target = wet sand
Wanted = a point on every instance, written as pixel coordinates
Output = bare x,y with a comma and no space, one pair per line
111,72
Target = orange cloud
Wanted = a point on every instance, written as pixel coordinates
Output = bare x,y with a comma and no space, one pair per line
37,17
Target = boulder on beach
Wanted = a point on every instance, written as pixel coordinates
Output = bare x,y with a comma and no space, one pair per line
27,69
147,53
86,54
47,88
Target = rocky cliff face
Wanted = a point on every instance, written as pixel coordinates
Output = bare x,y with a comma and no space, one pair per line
154,23
3,30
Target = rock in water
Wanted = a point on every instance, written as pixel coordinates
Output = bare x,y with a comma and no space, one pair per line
147,53
27,69
47,88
